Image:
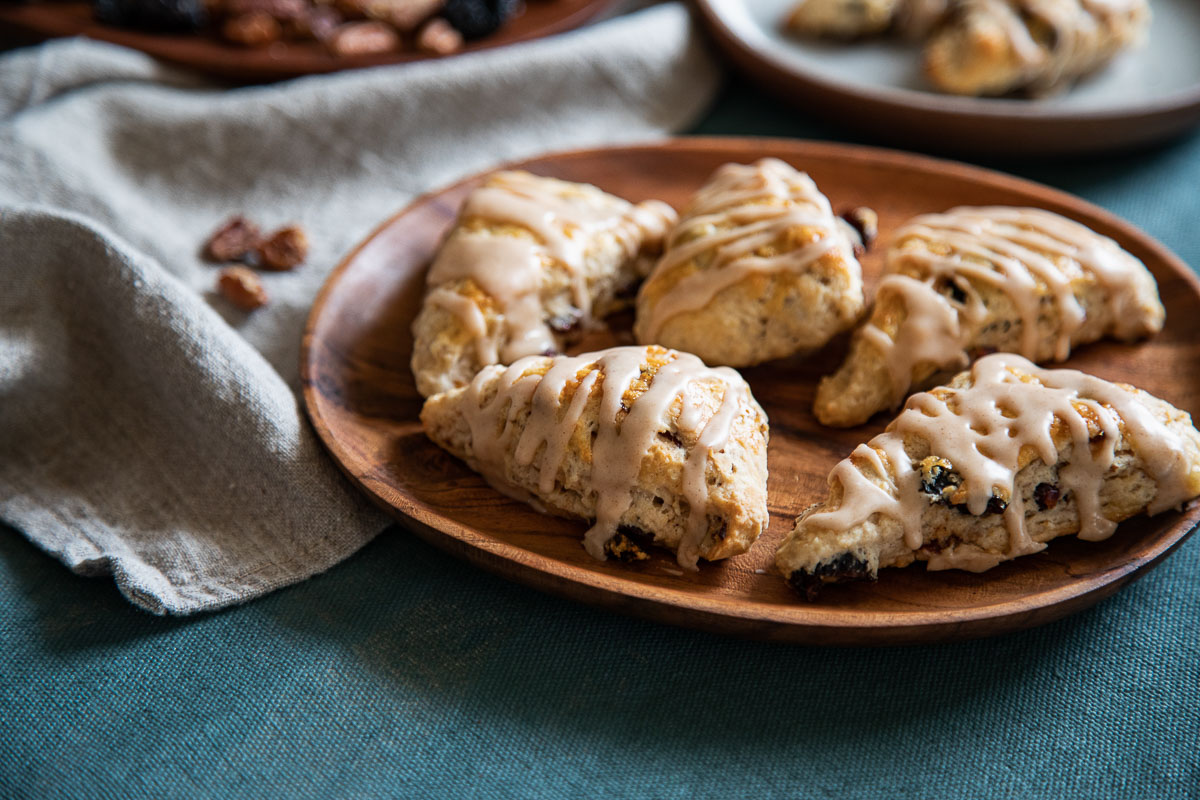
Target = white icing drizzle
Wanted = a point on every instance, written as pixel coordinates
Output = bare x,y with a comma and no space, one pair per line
741,209
561,220
620,444
1004,247
982,428
1078,42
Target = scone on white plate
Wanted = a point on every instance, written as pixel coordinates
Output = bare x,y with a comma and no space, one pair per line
529,260
976,280
994,47
645,443
851,19
757,268
991,467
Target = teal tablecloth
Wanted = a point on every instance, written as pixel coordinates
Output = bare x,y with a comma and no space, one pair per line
404,672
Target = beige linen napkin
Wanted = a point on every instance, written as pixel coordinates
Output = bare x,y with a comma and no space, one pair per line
147,428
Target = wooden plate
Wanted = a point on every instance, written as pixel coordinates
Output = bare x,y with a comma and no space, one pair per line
360,396
1144,96
206,53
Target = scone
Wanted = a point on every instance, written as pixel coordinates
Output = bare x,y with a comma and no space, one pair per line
979,280
529,260
757,268
841,19
994,47
646,443
1004,459
850,19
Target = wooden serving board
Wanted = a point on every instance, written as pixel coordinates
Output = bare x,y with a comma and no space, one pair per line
360,396
207,53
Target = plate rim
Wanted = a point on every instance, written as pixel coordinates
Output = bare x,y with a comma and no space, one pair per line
799,622
933,102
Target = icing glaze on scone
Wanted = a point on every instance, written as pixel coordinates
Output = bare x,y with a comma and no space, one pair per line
1012,279
976,446
529,257
759,255
619,410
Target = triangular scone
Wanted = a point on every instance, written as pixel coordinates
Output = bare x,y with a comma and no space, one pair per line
529,259
758,268
992,47
850,19
644,442
1005,458
980,280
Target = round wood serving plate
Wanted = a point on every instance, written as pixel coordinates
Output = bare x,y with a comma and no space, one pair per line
207,53
1146,95
360,396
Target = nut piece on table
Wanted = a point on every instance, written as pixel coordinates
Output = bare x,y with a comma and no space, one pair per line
242,287
283,249
364,39
256,29
439,38
403,15
233,241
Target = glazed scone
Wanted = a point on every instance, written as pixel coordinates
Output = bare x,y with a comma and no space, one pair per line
757,268
528,260
1004,459
994,47
850,19
841,19
979,280
643,442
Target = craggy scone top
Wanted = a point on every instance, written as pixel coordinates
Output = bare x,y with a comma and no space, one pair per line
529,260
967,475
757,268
641,441
975,280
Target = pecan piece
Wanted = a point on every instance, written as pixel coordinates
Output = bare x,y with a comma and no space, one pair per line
242,287
403,15
439,38
364,39
256,29
283,249
233,241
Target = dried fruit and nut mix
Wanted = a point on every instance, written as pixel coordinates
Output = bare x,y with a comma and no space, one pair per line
345,27
239,239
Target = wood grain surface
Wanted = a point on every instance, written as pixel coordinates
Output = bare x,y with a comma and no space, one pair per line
361,399
207,53
958,125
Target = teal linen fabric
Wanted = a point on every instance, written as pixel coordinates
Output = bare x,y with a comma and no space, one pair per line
406,673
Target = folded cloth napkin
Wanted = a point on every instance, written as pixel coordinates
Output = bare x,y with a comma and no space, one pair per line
148,428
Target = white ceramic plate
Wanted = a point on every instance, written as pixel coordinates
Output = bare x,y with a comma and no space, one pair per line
1144,95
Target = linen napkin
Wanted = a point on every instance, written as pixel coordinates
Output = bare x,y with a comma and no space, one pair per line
150,430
